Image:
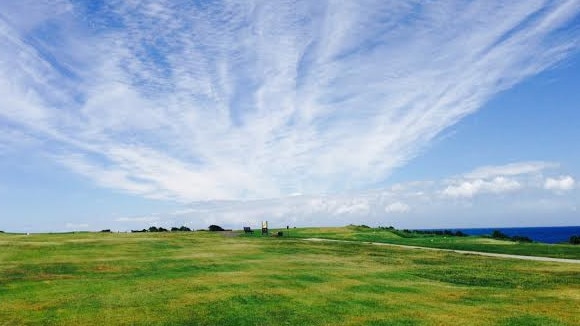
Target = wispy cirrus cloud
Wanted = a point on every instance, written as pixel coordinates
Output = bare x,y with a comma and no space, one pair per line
512,169
260,99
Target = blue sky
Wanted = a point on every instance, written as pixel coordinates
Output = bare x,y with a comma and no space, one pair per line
126,114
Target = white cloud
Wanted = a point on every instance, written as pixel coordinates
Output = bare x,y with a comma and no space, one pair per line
360,207
73,226
512,169
412,204
137,219
261,99
472,188
397,207
497,179
562,183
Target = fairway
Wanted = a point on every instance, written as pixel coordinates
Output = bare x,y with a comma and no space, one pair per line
205,278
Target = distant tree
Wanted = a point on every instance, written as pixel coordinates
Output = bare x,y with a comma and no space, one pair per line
106,231
174,229
575,239
460,234
153,229
519,238
160,229
215,228
184,229
497,234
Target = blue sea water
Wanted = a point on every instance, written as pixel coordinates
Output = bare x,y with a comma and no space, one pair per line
553,234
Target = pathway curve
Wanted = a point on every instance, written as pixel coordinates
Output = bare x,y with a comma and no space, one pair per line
465,252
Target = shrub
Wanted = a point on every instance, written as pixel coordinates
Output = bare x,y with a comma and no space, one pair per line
106,231
497,234
575,239
180,229
521,238
215,228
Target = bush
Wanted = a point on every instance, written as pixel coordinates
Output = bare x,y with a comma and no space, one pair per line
106,231
215,228
575,239
521,239
180,229
497,234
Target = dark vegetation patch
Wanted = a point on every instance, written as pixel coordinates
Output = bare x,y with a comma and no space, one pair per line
501,277
530,320
430,261
382,289
36,272
251,309
299,278
394,322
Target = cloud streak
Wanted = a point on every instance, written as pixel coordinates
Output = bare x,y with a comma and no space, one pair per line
260,99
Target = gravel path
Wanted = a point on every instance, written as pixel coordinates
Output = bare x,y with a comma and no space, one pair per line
466,252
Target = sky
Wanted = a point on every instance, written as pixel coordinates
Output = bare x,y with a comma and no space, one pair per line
123,114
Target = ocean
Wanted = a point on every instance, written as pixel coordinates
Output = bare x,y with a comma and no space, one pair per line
552,234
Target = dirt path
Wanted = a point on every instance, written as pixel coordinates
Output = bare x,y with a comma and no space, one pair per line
465,252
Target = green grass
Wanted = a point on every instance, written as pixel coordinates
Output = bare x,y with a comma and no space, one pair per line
471,243
204,278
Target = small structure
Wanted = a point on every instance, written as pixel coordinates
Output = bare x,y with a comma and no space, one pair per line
247,229
264,227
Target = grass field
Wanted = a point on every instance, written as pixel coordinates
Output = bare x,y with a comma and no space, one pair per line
471,243
203,278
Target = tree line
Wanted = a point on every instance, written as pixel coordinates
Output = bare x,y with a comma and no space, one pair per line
162,229
497,234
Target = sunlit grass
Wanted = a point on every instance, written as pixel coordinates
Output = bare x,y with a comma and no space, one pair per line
471,243
204,278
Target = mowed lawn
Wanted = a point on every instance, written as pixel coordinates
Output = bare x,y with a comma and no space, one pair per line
202,278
